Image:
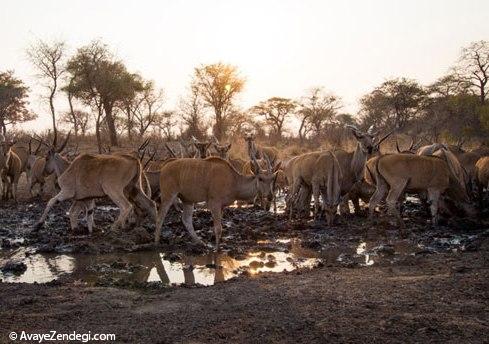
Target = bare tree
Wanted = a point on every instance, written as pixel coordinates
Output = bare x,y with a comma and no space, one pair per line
148,109
48,59
192,111
218,84
473,66
317,108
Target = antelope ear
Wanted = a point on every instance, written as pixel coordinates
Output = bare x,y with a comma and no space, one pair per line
228,147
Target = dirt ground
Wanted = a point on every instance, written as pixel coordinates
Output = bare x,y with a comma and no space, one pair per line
437,290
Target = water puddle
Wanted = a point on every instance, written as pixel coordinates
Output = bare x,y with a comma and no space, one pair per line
147,266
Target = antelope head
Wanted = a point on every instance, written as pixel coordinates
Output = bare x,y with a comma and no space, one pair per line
53,151
265,181
369,141
33,154
250,143
222,151
201,147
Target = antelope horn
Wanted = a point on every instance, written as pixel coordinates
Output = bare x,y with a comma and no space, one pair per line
143,145
149,160
38,148
64,143
269,164
41,141
397,146
30,146
385,136
411,146
171,151
254,164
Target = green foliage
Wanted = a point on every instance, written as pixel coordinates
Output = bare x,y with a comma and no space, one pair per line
13,101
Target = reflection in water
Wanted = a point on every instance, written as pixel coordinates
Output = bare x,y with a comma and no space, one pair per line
362,251
40,268
155,266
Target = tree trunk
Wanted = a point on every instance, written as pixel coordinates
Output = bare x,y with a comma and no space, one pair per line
73,116
51,105
109,119
218,129
97,129
483,94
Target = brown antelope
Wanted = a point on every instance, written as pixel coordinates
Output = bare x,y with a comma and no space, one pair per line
93,176
31,159
260,152
10,170
482,175
394,174
322,172
353,163
23,155
210,180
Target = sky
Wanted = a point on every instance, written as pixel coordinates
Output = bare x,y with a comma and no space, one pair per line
282,47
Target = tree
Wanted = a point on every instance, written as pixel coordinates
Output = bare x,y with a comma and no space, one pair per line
101,81
449,111
165,124
473,67
48,59
392,104
149,112
13,101
275,111
192,111
78,119
317,109
218,85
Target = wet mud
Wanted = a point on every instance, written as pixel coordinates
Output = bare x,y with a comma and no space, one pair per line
274,280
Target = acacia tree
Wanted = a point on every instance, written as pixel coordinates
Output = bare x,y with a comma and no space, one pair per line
78,119
218,85
473,67
450,110
317,109
392,104
101,81
48,59
275,111
13,101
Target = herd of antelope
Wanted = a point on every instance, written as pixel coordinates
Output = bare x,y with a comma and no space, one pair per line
446,179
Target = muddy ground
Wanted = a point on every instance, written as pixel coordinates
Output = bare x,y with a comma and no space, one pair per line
364,283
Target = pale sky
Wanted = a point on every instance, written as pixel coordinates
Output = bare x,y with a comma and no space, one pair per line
282,47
